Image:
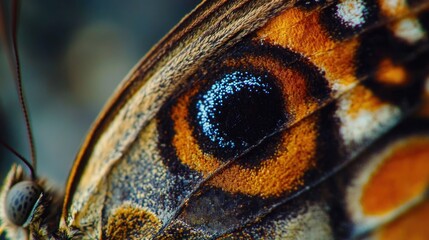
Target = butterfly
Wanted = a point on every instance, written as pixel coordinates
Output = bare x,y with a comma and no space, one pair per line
301,119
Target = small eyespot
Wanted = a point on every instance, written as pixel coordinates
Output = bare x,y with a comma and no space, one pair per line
20,201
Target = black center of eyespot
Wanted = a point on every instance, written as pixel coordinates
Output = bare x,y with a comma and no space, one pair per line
237,111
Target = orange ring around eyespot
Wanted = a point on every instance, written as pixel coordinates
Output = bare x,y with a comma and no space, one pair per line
402,176
283,172
187,149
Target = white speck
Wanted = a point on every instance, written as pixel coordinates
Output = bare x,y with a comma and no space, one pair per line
351,12
365,124
409,29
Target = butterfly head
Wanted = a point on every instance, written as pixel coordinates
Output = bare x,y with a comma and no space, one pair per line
21,202
30,207
18,203
21,195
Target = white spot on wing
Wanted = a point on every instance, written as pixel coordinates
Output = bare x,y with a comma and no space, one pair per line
351,12
409,29
364,124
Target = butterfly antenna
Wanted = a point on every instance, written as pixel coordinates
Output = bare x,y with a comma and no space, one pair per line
15,63
27,163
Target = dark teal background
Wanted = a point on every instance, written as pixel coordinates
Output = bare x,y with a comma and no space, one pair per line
73,55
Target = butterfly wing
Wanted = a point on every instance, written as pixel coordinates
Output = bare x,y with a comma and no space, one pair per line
241,111
381,195
157,79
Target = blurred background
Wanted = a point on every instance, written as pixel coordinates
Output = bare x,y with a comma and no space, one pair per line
73,55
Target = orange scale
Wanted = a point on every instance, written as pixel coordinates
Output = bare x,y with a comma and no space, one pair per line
280,173
391,74
413,225
188,151
336,59
401,177
363,99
